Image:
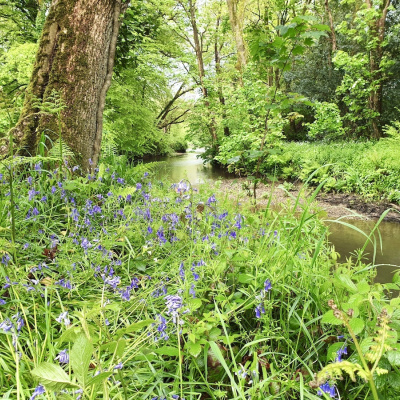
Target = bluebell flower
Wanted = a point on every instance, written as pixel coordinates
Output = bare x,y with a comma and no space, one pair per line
161,328
340,353
63,357
267,285
38,390
2,302
6,325
328,389
63,317
138,186
5,259
211,200
182,271
259,310
192,291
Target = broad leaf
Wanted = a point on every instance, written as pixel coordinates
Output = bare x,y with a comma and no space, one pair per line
52,376
80,356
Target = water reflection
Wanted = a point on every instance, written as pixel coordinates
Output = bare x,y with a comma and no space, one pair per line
387,258
346,240
188,166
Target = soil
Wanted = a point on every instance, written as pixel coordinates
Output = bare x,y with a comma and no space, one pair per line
329,205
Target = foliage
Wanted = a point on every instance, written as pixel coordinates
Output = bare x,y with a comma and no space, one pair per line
175,285
328,125
367,168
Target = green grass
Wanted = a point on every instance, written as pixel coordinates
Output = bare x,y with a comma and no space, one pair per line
111,249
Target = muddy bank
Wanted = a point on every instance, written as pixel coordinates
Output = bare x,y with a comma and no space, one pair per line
329,205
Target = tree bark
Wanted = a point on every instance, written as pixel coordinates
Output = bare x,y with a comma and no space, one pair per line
198,48
75,59
235,18
378,29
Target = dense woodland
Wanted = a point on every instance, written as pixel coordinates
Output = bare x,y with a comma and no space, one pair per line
117,285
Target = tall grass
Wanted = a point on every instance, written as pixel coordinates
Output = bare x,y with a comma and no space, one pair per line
128,288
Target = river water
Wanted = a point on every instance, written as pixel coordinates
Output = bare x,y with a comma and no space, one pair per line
345,239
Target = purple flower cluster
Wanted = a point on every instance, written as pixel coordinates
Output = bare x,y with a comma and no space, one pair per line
260,309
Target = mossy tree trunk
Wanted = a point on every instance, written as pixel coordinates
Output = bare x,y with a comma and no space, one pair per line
75,58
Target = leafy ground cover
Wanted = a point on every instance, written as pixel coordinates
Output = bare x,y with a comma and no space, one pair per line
117,286
370,169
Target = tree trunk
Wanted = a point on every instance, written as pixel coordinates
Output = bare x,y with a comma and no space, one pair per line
235,18
378,28
217,59
198,48
75,59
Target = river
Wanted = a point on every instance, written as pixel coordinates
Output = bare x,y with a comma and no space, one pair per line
345,239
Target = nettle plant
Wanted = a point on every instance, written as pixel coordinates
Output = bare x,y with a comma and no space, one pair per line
368,326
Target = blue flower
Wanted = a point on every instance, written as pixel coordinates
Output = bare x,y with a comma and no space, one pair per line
63,357
38,390
259,310
340,353
328,389
119,366
267,285
63,317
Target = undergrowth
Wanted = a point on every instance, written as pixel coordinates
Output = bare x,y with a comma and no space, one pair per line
117,286
370,169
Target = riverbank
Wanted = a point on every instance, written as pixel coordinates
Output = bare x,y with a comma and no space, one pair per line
328,205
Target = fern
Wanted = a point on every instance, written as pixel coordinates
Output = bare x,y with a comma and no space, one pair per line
63,151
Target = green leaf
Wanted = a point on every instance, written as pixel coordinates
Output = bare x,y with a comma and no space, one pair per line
332,351
346,282
167,351
99,379
134,327
214,333
393,357
52,376
393,379
80,356
363,287
194,304
245,278
329,318
194,348
357,324
298,50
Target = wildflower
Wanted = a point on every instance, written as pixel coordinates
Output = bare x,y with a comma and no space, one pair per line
121,181
2,302
160,235
85,244
63,357
211,200
119,366
63,317
6,325
340,353
5,259
161,328
38,390
192,291
174,304
65,284
138,186
328,389
182,271
267,285
259,310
